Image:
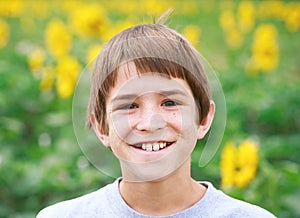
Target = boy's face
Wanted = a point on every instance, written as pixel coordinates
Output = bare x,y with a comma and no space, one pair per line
153,124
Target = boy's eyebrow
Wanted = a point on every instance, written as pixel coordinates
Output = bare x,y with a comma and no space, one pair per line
162,92
124,97
173,92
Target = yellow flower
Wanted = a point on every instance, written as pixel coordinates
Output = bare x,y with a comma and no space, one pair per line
4,33
192,33
40,8
122,7
67,72
247,162
36,60
188,7
58,38
228,164
234,38
233,35
239,164
227,20
154,7
292,18
48,78
92,53
88,20
272,9
246,16
265,52
289,12
12,8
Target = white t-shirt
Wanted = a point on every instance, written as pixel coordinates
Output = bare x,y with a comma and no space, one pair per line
107,202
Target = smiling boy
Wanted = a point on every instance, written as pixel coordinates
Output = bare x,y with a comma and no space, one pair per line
150,102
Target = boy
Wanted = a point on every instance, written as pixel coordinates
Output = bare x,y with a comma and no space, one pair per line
150,102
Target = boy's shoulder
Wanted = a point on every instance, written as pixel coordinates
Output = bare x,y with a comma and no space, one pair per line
106,202
77,206
226,206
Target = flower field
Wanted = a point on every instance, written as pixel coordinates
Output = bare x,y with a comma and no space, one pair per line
253,46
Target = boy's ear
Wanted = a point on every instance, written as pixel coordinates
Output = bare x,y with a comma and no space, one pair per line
98,130
207,121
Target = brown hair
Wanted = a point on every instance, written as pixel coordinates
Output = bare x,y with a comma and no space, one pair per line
152,48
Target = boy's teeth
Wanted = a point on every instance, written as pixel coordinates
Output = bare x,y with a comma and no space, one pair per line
153,147
149,147
162,144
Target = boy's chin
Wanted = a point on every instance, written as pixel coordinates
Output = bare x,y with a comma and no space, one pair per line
160,164
148,172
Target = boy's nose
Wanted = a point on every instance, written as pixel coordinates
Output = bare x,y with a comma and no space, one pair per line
151,122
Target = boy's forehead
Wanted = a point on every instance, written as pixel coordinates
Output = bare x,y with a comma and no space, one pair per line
131,83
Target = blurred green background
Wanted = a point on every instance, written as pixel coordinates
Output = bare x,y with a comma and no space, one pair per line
252,45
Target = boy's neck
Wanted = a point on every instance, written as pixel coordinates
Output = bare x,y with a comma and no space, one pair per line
168,196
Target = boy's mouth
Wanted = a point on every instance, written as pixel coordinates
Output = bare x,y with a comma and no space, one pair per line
155,146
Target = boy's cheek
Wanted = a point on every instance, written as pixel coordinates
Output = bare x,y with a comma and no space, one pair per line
187,117
120,125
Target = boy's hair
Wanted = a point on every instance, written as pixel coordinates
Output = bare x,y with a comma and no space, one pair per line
152,48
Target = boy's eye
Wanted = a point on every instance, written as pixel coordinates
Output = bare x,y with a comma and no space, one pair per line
170,103
128,106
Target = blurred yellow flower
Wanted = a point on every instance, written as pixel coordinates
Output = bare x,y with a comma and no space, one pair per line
92,53
239,164
67,72
246,16
227,20
265,52
11,8
122,7
234,38
188,7
233,35
89,20
58,39
192,33
228,165
289,12
4,33
39,8
36,60
48,78
292,18
153,7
